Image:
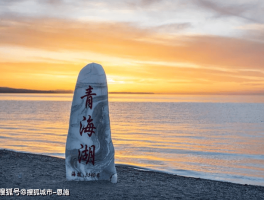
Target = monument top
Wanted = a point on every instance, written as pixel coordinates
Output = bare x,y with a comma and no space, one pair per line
93,71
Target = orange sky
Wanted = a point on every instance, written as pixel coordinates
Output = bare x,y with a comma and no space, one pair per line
47,52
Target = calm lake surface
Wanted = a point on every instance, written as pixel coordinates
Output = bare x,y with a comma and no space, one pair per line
215,137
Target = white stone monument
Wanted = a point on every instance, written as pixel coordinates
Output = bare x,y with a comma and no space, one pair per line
89,148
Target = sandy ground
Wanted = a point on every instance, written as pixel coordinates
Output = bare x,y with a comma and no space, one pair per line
30,171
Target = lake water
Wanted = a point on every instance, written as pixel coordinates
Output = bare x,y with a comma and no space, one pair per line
215,137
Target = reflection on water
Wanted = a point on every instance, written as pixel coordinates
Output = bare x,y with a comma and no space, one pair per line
201,136
142,98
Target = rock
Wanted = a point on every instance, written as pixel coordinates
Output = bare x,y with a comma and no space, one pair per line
89,148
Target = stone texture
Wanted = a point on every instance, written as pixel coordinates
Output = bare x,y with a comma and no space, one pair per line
89,148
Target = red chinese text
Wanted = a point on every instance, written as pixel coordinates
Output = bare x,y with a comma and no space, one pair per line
89,100
89,128
86,154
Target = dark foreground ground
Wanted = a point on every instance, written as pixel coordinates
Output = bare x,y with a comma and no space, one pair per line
30,171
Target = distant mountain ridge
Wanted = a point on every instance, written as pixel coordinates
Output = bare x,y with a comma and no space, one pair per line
14,90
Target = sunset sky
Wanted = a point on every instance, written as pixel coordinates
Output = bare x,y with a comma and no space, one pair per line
160,46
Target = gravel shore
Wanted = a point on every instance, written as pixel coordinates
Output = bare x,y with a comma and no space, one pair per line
31,171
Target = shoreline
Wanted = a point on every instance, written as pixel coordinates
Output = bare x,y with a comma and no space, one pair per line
34,171
135,167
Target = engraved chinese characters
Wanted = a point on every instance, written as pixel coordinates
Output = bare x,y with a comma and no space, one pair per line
89,147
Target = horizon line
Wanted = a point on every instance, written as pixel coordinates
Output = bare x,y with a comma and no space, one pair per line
58,91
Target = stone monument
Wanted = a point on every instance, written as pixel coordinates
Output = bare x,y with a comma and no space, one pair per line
89,151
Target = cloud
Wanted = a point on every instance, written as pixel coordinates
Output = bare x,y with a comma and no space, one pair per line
126,40
142,3
84,8
173,27
257,35
144,38
56,2
8,2
250,11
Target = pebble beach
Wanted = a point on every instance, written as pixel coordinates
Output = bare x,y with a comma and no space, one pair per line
33,171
